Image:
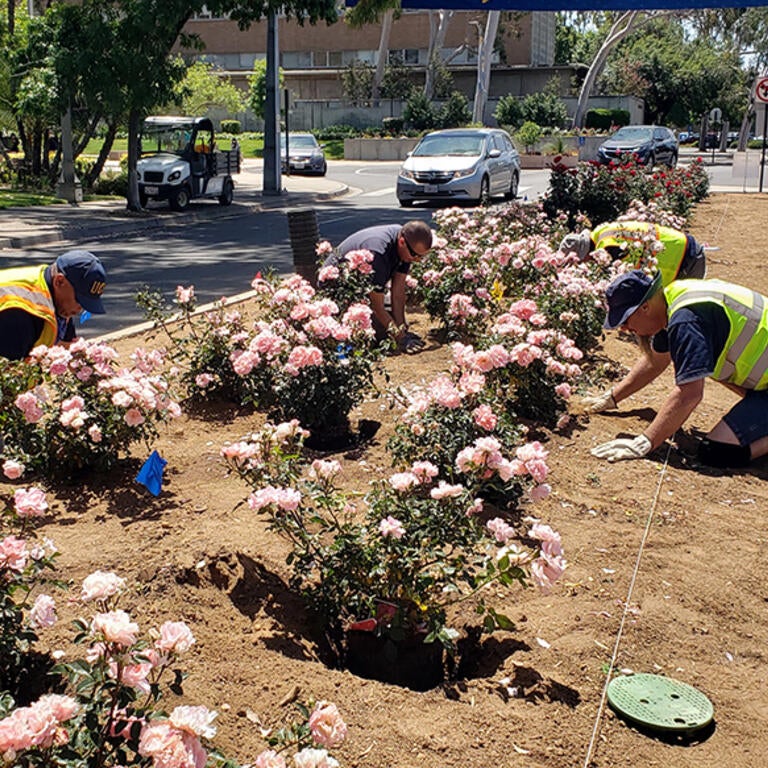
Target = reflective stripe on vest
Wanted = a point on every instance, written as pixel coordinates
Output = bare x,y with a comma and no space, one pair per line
25,288
669,258
744,358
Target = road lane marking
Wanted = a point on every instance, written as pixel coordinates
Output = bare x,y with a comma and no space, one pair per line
379,192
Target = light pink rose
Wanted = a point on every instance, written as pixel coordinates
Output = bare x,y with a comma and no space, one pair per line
175,637
94,432
314,758
194,720
270,759
30,502
500,529
13,470
402,481
100,585
391,526
133,417
170,747
326,725
43,612
116,627
13,553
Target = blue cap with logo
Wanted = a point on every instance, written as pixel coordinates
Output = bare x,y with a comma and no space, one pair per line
87,276
627,293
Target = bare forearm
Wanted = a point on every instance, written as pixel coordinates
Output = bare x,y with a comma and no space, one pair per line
397,292
643,372
680,404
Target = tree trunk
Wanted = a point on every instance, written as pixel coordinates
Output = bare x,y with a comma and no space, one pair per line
134,128
438,27
11,17
619,30
106,147
383,53
484,66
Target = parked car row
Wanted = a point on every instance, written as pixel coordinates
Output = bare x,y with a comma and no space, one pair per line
652,144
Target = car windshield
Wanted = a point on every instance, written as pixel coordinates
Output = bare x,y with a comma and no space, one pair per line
633,133
166,138
301,142
430,146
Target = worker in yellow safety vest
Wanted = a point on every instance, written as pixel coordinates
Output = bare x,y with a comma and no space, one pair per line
38,304
706,329
678,254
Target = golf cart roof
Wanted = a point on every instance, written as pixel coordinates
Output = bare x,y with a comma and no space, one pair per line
165,122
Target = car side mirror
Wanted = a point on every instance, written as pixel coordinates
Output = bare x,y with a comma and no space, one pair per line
408,154
494,153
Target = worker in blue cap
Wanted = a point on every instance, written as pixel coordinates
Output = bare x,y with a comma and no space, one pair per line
706,329
38,304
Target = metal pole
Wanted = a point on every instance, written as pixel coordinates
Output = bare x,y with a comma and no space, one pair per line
272,184
765,139
287,147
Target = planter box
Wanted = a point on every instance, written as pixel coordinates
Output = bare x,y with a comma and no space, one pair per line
534,162
378,149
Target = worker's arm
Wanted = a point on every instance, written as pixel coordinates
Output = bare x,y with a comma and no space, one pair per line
680,404
380,313
397,293
644,371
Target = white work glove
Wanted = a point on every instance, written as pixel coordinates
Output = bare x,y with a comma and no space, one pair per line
598,403
411,343
623,448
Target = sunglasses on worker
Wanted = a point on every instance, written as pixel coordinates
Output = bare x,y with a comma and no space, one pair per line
414,254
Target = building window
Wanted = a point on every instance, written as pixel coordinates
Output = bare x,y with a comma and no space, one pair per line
296,59
403,56
334,59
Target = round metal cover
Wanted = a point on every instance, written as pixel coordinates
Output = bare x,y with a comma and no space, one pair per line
660,703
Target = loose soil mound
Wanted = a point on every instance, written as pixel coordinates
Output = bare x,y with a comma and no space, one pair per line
197,553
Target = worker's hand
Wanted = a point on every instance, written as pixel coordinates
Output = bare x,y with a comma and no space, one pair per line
599,403
623,448
411,343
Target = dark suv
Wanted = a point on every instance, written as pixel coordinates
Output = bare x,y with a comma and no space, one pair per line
652,144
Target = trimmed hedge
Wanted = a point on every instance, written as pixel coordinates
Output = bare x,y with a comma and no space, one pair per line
606,118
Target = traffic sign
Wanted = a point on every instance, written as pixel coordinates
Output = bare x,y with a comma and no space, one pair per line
716,115
761,90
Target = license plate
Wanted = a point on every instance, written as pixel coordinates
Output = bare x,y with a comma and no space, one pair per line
151,190
430,188
298,165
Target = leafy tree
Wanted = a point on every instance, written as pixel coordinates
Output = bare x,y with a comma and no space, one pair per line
397,83
455,112
257,85
357,81
509,111
545,107
528,135
419,112
205,87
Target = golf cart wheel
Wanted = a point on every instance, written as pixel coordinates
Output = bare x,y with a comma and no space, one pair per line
227,193
179,200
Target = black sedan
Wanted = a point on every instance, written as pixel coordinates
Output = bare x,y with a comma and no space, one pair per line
305,155
651,144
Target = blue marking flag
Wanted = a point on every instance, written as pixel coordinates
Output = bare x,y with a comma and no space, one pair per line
151,473
84,316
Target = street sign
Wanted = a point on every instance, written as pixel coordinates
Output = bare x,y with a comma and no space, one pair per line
716,115
761,90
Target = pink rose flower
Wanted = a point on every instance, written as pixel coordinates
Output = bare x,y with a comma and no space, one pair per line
30,502
391,526
116,627
43,612
133,417
314,758
100,585
501,530
13,470
270,759
175,637
402,481
326,725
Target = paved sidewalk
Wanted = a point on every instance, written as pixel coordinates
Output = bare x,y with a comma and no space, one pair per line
42,225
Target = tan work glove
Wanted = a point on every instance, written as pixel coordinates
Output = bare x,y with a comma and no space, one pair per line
599,403
623,448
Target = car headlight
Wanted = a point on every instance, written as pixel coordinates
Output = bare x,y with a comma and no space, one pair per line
406,174
466,172
175,176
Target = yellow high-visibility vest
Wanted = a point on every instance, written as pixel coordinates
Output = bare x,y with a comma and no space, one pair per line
744,359
669,259
25,288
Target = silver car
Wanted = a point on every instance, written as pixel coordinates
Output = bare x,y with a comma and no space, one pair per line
460,164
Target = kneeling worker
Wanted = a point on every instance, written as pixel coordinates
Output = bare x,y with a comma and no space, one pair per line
706,328
38,304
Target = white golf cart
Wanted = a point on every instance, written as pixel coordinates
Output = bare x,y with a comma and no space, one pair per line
179,162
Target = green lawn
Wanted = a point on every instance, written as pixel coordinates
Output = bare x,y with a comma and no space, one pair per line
14,199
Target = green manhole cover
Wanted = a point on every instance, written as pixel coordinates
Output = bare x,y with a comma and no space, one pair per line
660,703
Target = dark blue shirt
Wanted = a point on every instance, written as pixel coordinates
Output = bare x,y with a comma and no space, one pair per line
694,337
381,241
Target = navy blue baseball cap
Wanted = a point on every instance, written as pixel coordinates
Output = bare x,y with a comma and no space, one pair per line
87,276
627,293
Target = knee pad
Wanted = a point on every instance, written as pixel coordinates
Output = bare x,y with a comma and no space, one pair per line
717,454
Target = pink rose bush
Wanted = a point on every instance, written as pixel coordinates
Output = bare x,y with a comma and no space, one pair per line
347,281
417,540
78,408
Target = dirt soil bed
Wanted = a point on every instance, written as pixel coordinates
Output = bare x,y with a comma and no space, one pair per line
697,613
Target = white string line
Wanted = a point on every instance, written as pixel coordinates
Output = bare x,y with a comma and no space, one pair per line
612,665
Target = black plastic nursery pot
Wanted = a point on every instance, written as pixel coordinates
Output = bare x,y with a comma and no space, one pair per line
410,663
